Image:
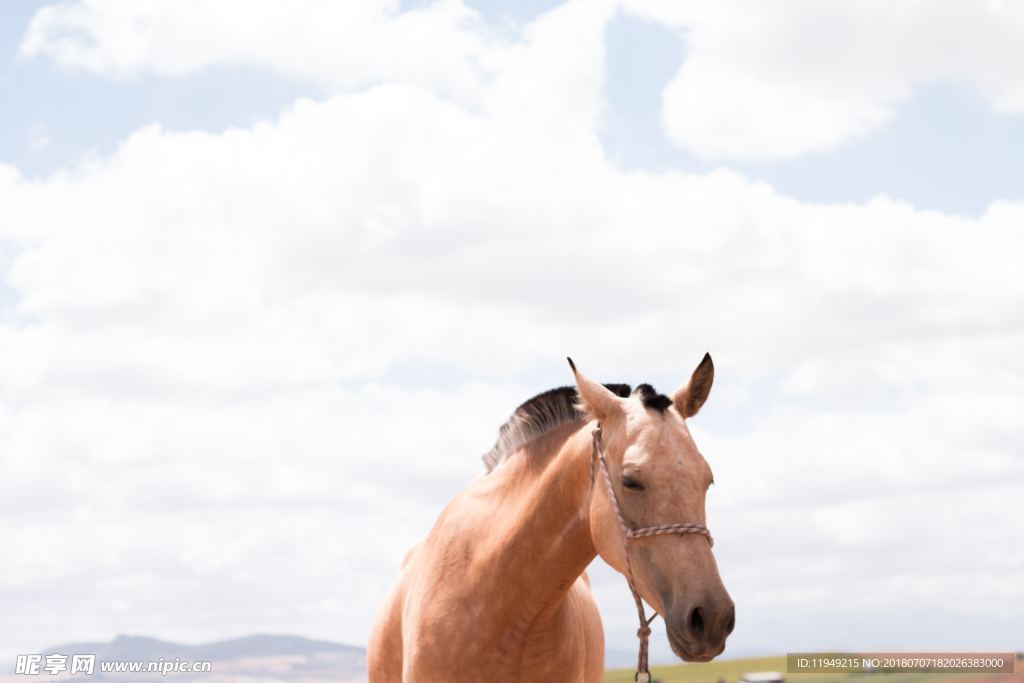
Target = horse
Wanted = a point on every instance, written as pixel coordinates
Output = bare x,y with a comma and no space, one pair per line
497,590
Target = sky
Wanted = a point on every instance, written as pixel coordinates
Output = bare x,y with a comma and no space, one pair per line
270,281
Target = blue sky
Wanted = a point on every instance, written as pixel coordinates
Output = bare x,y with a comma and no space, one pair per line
82,114
246,254
946,150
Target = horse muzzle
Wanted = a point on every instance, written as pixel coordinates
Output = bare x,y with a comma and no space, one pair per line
697,631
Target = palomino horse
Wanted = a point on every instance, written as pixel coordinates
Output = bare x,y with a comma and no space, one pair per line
497,590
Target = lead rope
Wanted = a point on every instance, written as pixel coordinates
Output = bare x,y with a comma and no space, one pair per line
629,534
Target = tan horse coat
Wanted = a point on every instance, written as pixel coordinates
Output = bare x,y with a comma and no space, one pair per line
497,590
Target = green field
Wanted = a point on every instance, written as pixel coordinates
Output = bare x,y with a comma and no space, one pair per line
710,672
730,671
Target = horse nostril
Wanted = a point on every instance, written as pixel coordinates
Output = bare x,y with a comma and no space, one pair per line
697,621
731,624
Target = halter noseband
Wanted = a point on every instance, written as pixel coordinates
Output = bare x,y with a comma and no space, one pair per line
630,534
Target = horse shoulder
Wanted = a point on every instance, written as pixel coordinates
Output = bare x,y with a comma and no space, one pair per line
384,652
411,553
568,644
581,601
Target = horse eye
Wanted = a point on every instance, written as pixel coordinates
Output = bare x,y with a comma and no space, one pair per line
631,483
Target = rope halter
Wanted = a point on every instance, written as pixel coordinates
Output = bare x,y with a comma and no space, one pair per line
629,534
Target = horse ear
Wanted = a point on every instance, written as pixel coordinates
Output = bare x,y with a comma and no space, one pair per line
595,397
691,396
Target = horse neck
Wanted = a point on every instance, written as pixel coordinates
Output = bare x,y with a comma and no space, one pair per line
547,543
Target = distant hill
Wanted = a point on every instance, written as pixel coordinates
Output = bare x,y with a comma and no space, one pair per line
259,645
256,658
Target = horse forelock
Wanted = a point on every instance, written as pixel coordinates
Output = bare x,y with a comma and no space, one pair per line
650,397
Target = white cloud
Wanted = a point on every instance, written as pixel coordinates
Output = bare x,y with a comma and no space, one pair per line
329,43
245,370
759,80
773,80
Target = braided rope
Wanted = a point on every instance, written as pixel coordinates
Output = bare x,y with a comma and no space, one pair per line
629,534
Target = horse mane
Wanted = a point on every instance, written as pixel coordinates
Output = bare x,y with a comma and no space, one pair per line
539,415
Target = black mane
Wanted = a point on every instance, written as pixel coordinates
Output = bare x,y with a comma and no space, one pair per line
555,407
